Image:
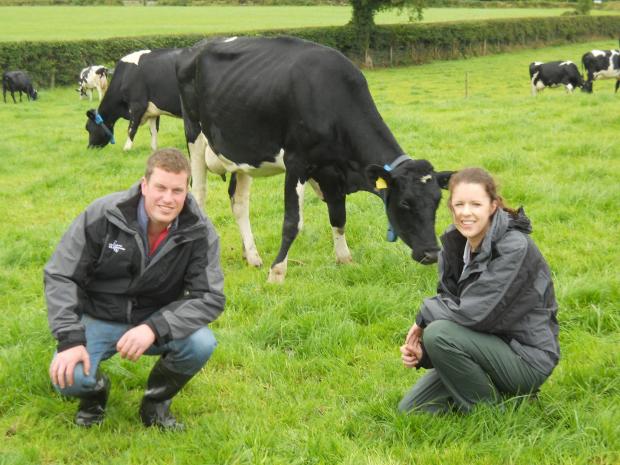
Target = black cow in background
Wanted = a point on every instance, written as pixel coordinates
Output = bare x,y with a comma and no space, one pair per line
18,81
555,73
143,88
601,64
273,105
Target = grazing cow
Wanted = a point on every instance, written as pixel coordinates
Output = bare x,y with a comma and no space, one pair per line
93,77
553,74
601,64
18,81
143,88
262,106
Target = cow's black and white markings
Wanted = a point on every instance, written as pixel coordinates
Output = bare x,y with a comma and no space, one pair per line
93,77
261,106
553,74
18,81
601,64
143,88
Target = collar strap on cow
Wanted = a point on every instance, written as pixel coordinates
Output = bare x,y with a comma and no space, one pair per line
395,163
391,234
99,122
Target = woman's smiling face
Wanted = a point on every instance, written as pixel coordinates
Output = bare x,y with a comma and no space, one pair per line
472,209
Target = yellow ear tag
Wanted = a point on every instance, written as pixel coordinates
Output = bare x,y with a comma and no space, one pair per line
380,184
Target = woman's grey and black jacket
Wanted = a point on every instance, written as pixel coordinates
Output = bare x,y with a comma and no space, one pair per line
101,268
505,289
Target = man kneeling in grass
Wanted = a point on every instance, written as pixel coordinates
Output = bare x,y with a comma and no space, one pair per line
138,272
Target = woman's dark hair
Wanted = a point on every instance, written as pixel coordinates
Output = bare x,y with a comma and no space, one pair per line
478,176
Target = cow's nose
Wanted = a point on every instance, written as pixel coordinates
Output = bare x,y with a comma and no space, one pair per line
429,257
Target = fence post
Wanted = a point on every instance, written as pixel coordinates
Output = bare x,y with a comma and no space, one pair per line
466,84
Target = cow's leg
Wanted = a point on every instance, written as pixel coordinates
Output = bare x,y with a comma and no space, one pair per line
317,189
154,126
90,94
239,192
20,95
136,111
617,85
13,96
301,189
338,218
290,229
197,147
99,92
4,93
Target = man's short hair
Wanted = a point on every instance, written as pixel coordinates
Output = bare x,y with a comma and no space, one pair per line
168,159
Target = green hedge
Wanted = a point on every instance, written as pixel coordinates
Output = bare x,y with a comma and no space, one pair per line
52,63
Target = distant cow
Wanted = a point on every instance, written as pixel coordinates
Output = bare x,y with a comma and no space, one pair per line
553,74
601,64
143,88
18,81
93,77
263,106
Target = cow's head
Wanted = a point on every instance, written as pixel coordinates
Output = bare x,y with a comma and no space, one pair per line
82,90
587,87
411,192
99,133
34,94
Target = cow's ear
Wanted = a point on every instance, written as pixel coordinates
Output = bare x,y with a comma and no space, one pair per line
378,177
443,178
90,114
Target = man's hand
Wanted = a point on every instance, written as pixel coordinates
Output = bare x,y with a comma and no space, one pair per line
135,342
414,335
411,354
63,365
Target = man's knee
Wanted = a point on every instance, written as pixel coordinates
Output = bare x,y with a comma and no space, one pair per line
195,350
82,384
203,343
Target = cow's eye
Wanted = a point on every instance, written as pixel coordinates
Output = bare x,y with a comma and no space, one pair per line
404,205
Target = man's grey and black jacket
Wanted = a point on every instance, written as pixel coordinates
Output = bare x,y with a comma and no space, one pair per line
101,267
505,290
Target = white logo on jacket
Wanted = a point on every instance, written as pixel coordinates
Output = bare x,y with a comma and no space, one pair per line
116,247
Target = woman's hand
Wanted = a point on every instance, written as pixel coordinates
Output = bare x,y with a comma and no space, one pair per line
411,354
414,336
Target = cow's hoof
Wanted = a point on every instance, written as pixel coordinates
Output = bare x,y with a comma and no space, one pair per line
277,274
253,259
344,260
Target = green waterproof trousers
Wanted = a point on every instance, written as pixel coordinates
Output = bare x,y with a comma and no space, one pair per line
469,367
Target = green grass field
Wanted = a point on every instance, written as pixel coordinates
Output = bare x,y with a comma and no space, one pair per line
57,23
309,372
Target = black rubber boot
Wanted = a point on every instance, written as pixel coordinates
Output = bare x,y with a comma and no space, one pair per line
163,384
92,405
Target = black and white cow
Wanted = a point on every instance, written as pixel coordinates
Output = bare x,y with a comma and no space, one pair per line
601,64
553,74
18,81
262,106
143,88
93,77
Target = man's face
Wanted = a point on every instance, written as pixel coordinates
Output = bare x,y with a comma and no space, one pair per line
164,196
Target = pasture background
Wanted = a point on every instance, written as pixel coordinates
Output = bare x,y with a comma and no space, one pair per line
59,23
309,372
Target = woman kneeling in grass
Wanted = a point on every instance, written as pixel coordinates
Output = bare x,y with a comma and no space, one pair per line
492,329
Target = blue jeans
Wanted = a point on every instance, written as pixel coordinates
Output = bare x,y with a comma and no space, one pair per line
186,356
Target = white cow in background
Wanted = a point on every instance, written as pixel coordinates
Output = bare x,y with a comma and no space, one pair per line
93,77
